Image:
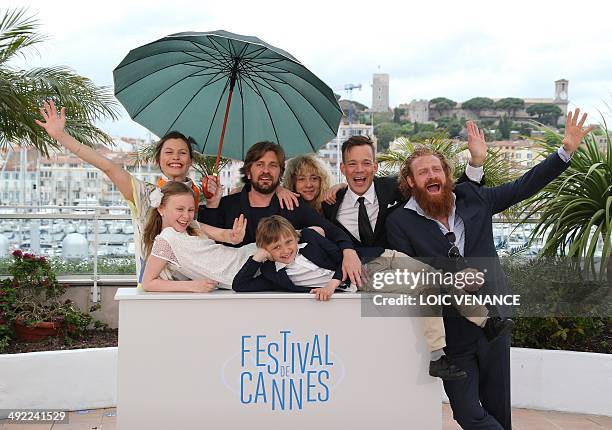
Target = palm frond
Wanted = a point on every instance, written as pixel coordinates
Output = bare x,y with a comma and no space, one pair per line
497,169
17,33
576,208
23,91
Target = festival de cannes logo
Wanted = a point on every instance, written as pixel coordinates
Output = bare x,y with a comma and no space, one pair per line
283,372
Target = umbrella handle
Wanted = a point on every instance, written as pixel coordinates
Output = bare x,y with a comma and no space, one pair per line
205,191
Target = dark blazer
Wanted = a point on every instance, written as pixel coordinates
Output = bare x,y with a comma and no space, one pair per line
421,238
302,216
318,250
389,198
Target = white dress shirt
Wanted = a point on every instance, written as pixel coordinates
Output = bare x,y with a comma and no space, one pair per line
454,222
348,212
304,273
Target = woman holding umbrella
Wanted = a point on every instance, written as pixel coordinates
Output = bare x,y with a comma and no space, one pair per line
173,155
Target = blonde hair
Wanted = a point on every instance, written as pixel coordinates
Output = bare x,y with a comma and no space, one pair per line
406,169
271,229
153,227
305,164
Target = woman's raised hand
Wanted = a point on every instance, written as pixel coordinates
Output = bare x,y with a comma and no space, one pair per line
213,186
54,124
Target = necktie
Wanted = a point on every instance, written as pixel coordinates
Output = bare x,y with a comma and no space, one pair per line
366,235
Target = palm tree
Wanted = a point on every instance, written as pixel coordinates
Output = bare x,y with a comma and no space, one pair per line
22,91
576,209
497,169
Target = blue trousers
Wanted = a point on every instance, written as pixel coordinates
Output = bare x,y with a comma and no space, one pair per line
482,400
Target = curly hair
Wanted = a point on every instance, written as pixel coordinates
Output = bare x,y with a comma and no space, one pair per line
306,165
406,169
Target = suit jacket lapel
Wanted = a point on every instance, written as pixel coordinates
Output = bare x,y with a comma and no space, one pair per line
430,226
466,213
382,207
336,206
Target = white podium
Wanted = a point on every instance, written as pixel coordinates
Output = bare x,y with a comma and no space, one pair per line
269,361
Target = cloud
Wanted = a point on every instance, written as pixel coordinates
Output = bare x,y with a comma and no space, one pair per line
455,49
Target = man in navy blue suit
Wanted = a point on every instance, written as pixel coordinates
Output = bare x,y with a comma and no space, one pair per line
450,227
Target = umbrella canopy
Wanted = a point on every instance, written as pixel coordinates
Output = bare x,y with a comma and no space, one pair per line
183,82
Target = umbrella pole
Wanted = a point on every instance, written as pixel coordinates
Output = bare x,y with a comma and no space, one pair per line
233,77
229,102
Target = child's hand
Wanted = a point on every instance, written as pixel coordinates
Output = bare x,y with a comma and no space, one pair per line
261,255
325,293
236,234
203,285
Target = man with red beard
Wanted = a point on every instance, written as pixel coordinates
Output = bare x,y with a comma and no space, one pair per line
263,167
450,227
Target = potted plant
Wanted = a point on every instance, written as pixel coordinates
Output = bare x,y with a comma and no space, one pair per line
37,311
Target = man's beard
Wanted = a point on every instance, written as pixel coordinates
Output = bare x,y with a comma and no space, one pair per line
438,206
267,189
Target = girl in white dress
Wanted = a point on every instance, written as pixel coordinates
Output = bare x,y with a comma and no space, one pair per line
180,248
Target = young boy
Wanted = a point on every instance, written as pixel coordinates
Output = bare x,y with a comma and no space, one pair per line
310,263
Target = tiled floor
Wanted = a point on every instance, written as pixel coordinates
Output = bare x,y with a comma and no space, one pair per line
528,419
523,419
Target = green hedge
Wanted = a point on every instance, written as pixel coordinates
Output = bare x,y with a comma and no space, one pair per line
106,266
563,306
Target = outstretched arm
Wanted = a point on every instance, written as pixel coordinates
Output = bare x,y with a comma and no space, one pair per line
54,126
504,196
235,235
152,282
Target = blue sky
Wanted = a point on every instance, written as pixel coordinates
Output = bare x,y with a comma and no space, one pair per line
454,49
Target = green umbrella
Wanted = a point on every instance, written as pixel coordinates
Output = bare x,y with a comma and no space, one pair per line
198,83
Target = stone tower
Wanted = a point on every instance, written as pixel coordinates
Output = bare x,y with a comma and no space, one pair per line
380,92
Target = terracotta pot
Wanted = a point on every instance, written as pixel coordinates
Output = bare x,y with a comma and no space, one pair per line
38,331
